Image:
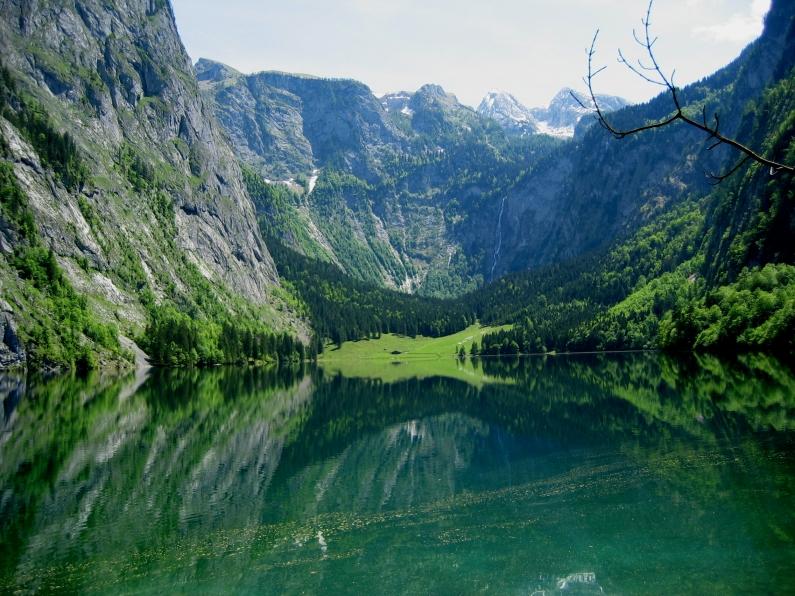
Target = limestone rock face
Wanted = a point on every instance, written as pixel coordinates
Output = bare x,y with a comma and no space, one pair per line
286,124
116,77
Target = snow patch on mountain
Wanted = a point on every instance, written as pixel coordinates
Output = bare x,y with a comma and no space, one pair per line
563,132
559,119
398,102
564,112
508,112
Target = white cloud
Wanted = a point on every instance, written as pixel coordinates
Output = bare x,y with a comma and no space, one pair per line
740,27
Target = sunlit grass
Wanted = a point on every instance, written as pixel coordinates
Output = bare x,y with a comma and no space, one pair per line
393,357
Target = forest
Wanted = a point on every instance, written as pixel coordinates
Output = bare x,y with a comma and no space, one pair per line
173,338
342,308
710,274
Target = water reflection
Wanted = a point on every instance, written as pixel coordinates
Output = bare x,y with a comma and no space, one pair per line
618,473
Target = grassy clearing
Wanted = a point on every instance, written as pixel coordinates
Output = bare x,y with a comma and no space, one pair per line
396,357
400,347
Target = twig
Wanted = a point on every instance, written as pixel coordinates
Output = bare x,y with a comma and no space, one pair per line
659,78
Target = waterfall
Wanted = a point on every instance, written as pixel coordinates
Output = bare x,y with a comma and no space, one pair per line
498,242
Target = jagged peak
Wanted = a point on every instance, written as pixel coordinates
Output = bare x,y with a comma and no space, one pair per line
495,98
431,93
211,70
432,89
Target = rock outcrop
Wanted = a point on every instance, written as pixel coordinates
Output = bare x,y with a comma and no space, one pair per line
163,208
286,125
116,77
12,352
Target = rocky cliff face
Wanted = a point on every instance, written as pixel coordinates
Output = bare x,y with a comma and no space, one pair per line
164,197
286,125
386,188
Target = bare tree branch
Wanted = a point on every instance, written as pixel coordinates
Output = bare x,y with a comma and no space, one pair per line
718,178
654,74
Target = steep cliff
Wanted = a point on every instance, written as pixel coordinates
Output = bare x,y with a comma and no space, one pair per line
286,125
159,210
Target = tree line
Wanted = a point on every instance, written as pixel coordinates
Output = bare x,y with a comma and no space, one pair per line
343,309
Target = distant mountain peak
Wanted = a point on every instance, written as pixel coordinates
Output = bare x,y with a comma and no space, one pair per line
431,89
564,112
565,93
431,94
559,119
508,112
430,98
397,102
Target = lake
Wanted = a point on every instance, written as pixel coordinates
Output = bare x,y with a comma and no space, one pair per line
629,474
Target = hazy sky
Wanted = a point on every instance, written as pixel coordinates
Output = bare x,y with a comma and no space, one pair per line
531,48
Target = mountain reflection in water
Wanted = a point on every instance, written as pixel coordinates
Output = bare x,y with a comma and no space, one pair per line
588,474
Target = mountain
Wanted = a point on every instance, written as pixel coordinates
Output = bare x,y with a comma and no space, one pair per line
137,192
453,198
119,189
439,115
564,111
586,196
615,244
511,115
284,125
559,119
650,253
385,188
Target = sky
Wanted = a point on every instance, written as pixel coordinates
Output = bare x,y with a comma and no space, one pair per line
530,48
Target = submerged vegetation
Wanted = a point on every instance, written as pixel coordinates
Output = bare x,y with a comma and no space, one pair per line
445,464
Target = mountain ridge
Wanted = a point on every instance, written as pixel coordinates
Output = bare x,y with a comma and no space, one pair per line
381,168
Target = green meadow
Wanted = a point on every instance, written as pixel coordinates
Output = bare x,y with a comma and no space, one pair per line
394,357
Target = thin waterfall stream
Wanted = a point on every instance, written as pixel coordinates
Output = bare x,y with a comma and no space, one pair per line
498,243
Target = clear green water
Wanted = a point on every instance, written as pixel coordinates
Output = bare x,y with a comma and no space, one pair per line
619,474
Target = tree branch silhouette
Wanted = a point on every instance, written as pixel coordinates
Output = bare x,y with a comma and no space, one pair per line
652,73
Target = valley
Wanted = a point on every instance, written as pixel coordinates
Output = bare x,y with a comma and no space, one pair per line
430,213
269,332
